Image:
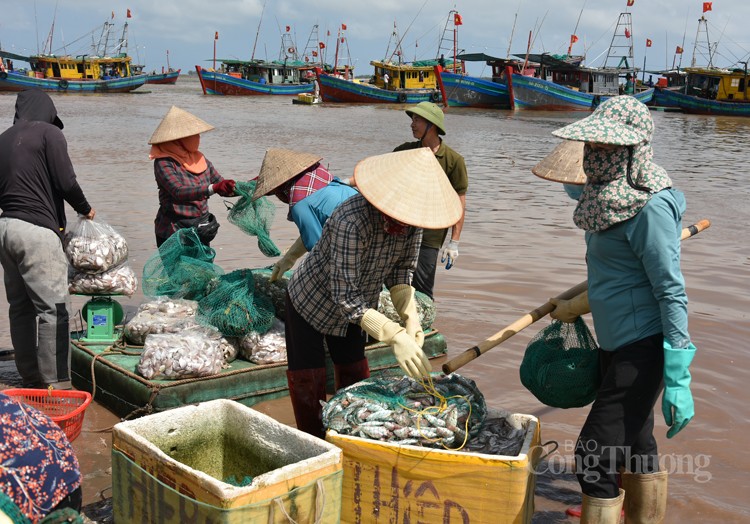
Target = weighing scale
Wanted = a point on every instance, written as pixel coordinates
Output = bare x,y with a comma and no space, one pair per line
102,314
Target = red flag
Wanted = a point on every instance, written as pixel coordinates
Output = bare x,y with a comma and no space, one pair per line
627,33
321,45
707,6
457,20
573,39
329,33
630,3
314,52
678,51
343,27
129,15
216,36
288,29
648,42
342,39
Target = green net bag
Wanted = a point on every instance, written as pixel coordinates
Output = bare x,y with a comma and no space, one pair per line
233,307
254,217
182,267
561,365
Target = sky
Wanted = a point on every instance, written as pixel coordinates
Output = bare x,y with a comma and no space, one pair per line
186,29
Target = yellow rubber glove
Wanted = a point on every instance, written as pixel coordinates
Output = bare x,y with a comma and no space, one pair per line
402,296
286,262
570,310
409,355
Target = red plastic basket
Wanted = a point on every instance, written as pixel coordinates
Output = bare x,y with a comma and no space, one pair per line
65,407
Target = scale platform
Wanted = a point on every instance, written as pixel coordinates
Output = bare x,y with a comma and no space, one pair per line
102,313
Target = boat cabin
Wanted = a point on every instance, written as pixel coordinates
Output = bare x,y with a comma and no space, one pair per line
418,75
499,65
81,67
566,70
263,72
718,84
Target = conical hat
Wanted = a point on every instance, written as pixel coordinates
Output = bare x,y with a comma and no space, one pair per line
176,124
280,165
564,164
409,186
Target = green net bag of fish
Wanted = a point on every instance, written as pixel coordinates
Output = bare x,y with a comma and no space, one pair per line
561,365
182,267
443,412
274,291
233,307
254,217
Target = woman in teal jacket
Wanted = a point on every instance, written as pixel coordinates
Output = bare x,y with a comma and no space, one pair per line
636,294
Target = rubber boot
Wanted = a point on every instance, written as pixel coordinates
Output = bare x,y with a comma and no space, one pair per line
602,511
347,374
645,497
307,387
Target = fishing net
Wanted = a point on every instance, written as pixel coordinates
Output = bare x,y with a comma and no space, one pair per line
443,412
182,267
254,217
232,306
561,365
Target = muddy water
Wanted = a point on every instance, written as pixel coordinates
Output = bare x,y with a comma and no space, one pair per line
518,248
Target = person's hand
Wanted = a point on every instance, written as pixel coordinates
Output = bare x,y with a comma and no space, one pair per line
569,310
402,296
677,400
410,356
224,188
91,214
286,262
450,254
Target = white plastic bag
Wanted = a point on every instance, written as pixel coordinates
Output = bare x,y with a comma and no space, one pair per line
266,348
94,247
118,281
180,355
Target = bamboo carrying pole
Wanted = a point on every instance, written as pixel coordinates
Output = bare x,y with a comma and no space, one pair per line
537,313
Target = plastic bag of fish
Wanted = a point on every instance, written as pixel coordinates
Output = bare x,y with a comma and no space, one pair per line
120,280
180,355
443,413
162,315
266,348
94,247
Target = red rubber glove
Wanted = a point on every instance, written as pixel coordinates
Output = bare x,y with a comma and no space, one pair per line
224,188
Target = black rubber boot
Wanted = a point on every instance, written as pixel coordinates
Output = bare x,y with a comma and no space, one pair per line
307,387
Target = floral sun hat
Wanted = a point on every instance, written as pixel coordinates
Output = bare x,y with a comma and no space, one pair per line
620,121
619,181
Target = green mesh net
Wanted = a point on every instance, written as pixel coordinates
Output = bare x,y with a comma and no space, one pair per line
443,412
182,267
561,365
233,307
254,217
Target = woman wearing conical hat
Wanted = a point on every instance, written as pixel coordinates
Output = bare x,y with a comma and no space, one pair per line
636,294
372,239
186,178
311,191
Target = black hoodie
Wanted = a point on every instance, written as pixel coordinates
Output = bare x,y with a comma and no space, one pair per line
36,174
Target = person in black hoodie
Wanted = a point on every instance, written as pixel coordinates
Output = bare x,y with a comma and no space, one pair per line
36,179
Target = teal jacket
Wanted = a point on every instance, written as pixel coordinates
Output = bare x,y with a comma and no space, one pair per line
636,287
311,213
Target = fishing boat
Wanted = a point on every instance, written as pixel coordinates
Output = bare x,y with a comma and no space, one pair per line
563,83
168,77
252,78
107,69
712,91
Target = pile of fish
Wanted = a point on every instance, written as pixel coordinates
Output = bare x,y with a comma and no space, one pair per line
161,315
180,355
265,348
98,258
445,412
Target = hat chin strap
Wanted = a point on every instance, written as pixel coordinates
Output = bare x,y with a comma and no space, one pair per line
426,129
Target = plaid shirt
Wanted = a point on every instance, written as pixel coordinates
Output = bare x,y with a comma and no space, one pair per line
182,194
344,273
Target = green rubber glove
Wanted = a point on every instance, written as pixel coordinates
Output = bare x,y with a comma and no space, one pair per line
409,355
286,262
402,296
677,401
569,310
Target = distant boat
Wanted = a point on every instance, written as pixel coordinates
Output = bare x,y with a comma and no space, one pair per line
169,78
252,78
712,91
99,72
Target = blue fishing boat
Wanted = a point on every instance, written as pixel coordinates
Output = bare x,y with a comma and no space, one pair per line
252,78
711,92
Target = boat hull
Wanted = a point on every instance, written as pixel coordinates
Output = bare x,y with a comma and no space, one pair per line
338,90
17,82
703,106
470,91
214,83
538,94
163,78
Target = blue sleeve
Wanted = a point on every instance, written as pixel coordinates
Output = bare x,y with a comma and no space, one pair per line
310,227
574,191
655,239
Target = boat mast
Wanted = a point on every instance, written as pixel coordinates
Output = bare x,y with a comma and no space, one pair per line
257,31
575,29
702,28
621,46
